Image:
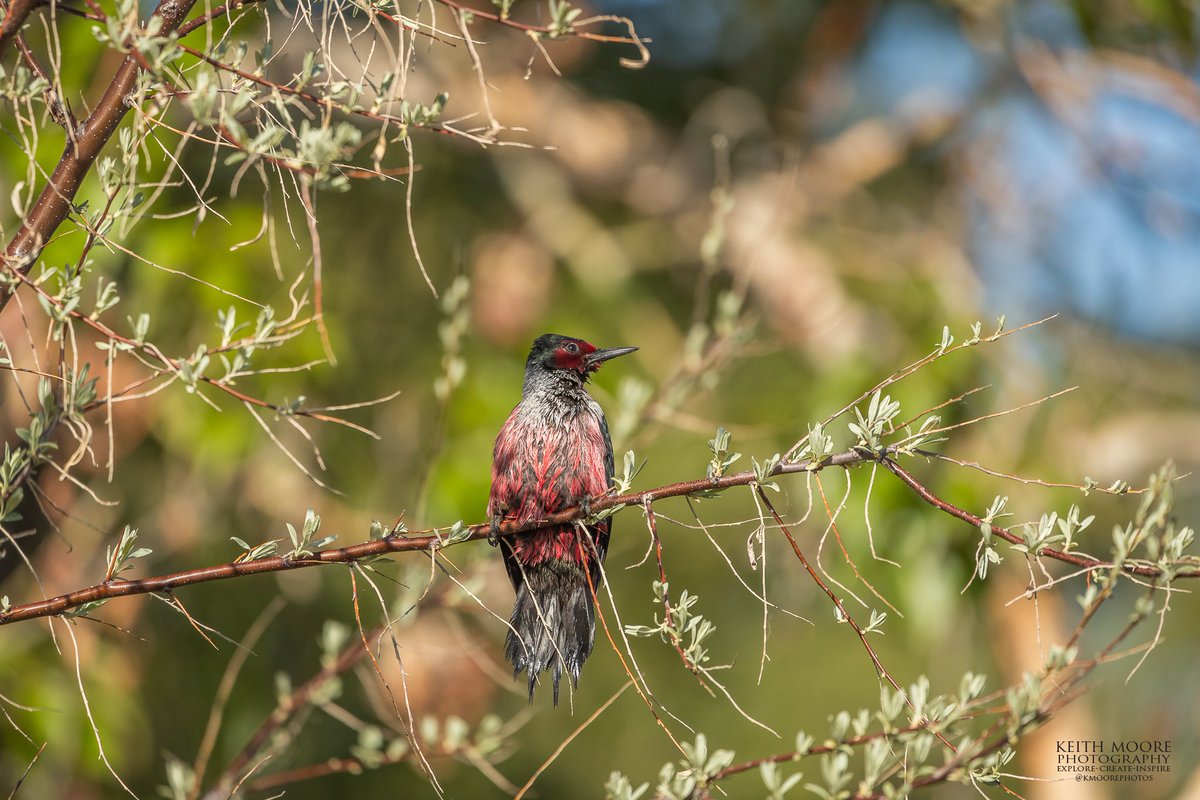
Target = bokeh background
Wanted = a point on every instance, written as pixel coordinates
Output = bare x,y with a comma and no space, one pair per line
785,206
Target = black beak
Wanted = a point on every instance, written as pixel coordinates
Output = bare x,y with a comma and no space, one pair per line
596,357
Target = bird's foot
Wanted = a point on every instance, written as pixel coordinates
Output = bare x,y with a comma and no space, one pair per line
585,505
494,531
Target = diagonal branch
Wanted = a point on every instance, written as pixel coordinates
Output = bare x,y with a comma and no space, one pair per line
55,202
1146,570
15,15
220,11
297,701
843,614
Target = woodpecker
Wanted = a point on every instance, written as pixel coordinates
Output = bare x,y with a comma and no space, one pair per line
553,452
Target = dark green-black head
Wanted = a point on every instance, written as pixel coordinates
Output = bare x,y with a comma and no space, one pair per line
552,351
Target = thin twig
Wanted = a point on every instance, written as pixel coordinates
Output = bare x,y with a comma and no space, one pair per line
843,614
574,734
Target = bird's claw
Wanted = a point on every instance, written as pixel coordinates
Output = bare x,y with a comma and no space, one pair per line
585,505
494,531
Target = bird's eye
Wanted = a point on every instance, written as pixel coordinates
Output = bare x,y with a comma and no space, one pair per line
572,347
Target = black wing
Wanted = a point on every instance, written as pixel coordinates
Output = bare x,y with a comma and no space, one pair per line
603,529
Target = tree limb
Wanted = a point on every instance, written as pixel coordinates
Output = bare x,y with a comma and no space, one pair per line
14,18
55,201
423,541
431,540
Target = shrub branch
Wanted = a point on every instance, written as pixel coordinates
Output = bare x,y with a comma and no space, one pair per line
83,147
432,540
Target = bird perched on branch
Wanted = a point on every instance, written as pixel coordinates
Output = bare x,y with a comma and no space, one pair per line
553,453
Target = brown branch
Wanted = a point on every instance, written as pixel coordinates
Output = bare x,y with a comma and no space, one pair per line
95,12
423,541
266,83
1142,569
668,611
240,767
1064,692
430,540
14,19
220,10
551,32
174,366
55,202
59,111
326,103
816,750
295,702
332,766
880,669
28,767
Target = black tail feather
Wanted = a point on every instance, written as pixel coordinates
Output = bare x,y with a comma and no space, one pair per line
554,623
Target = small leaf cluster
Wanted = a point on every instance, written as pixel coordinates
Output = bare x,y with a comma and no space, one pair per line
618,787
987,554
420,114
682,628
764,471
722,459
869,428
1053,532
124,32
451,332
694,771
235,354
623,483
255,552
21,85
59,304
453,735
120,558
816,446
775,782
303,543
1165,542
375,748
13,470
181,779
459,532
562,17
892,751
976,337
380,531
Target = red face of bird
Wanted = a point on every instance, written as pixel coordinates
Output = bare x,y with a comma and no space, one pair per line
564,352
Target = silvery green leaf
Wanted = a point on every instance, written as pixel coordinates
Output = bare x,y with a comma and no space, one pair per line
311,524
458,533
